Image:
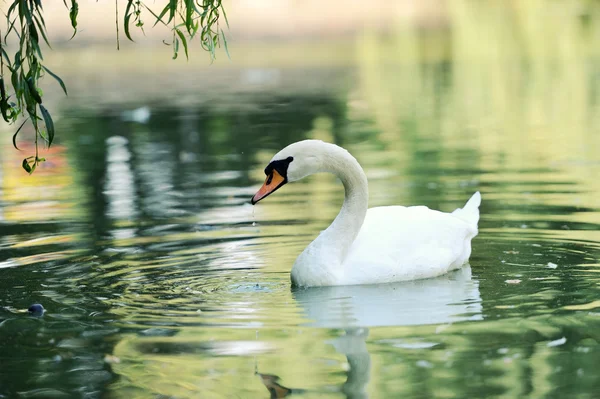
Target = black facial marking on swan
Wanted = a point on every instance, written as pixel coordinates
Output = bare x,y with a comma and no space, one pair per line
281,166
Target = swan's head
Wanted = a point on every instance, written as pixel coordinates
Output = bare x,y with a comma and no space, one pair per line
294,162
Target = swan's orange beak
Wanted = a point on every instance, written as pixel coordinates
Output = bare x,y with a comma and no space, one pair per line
272,183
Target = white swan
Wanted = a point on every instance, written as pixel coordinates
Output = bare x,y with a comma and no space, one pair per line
370,246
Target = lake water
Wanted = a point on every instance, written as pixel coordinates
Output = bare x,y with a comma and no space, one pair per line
159,279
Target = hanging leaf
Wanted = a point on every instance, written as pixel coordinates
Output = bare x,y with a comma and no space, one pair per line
224,15
3,101
184,42
49,124
42,29
33,91
5,56
225,44
26,166
25,21
15,135
127,19
172,9
73,16
57,78
162,14
175,48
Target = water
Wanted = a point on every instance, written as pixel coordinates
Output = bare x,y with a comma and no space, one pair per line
159,278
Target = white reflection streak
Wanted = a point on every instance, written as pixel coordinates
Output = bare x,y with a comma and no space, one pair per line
119,186
157,174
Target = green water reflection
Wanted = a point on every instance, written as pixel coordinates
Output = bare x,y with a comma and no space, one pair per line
160,280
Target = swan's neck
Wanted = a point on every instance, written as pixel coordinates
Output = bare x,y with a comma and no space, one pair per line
340,235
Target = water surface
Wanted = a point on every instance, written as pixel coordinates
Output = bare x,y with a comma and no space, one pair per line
161,280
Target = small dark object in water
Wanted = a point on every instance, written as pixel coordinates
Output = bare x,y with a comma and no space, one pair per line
36,310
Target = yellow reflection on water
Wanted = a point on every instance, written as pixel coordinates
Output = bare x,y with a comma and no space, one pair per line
44,195
513,81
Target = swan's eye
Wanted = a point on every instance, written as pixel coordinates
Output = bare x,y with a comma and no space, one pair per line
279,166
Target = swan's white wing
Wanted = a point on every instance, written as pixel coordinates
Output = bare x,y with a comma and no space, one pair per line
399,243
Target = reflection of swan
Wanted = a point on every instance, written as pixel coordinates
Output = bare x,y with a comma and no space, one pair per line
444,299
441,300
354,347
379,245
276,390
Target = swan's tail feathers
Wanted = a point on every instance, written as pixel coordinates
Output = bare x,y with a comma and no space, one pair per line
470,212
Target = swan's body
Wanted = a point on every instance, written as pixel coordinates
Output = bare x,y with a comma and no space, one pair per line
378,245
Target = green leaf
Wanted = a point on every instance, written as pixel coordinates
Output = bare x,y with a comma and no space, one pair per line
12,8
126,27
34,39
225,15
175,48
16,82
5,56
33,91
16,133
158,17
49,124
73,16
40,14
42,29
127,19
184,42
26,166
24,11
225,44
8,110
189,13
172,9
11,27
57,78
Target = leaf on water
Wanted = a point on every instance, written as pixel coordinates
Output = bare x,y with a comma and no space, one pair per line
57,78
49,124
